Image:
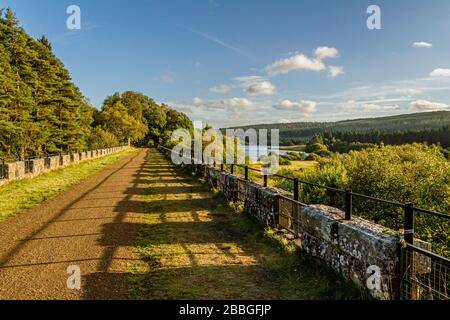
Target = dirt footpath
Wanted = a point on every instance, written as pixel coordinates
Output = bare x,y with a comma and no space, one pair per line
91,225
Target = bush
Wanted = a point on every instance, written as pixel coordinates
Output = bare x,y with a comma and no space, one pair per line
100,139
295,156
408,173
313,157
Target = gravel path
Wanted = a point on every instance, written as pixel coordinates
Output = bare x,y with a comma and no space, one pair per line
91,225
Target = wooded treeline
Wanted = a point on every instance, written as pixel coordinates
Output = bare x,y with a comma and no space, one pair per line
430,136
43,112
427,127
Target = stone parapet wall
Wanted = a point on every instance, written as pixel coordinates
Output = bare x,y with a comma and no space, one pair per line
53,163
16,170
65,160
357,249
38,167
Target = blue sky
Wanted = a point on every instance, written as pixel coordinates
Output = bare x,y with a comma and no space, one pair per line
240,62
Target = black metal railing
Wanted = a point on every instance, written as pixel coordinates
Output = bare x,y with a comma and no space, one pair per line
2,169
423,275
426,275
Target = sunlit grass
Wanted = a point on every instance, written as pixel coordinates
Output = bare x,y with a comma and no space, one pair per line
18,196
195,245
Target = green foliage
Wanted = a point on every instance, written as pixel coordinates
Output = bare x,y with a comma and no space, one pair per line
295,156
313,157
283,161
136,118
286,159
409,173
100,139
118,120
42,111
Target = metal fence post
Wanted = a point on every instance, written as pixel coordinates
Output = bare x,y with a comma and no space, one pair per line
2,173
232,169
296,189
348,204
265,181
407,288
409,223
221,167
246,173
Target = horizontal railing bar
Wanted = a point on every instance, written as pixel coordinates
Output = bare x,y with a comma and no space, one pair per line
427,253
395,203
434,213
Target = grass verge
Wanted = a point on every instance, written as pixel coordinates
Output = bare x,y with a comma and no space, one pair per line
18,196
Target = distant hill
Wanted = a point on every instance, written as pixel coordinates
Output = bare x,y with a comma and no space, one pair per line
300,132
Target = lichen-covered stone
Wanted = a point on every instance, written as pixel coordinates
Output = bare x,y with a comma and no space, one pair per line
15,170
262,203
75,158
38,167
320,221
53,163
355,248
228,185
65,160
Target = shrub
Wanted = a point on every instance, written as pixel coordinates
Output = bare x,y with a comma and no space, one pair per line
313,157
408,173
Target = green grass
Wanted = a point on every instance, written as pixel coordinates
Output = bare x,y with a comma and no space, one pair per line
195,245
18,196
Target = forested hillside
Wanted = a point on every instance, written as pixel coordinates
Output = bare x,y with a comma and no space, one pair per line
429,125
42,111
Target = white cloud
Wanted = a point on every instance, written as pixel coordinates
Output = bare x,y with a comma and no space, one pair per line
440,72
302,106
297,62
334,71
422,44
249,80
424,105
355,106
239,103
326,52
197,102
223,89
262,88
